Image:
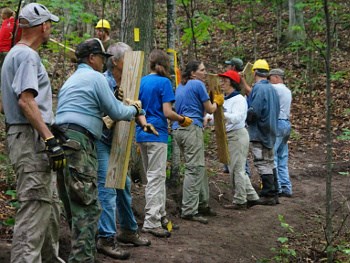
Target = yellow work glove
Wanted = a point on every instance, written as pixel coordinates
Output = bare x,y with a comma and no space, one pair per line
186,121
55,153
218,99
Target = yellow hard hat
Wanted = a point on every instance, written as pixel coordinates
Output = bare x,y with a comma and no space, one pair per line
261,64
103,23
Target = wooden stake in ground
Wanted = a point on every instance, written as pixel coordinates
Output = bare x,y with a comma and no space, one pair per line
124,131
219,122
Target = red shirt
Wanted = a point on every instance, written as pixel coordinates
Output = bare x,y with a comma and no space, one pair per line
6,34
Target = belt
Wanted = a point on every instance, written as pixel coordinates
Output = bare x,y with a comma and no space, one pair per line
78,128
283,119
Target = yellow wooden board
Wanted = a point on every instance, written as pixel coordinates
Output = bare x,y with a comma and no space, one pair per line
219,122
124,131
248,75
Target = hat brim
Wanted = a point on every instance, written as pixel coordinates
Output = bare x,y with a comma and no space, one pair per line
228,62
54,18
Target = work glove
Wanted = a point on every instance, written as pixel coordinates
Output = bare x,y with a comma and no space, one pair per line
218,99
138,106
119,93
59,133
55,153
186,121
108,122
148,127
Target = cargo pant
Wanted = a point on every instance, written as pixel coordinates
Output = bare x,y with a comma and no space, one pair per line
264,163
238,145
78,192
36,231
195,185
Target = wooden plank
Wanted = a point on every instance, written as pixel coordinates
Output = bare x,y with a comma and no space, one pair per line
219,122
124,131
70,51
248,75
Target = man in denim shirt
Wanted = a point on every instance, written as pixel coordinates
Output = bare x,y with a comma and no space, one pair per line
262,120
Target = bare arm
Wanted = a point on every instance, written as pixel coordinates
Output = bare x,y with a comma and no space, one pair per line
170,114
31,111
210,107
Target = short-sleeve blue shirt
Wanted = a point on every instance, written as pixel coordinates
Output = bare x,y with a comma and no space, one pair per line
154,91
190,99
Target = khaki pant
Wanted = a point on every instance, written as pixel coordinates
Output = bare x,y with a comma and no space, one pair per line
35,237
238,144
154,162
195,185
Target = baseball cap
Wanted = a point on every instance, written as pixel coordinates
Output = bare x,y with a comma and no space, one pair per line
238,63
231,74
277,71
91,46
36,14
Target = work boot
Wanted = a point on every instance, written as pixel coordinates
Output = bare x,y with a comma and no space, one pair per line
132,237
251,203
156,231
109,247
268,200
165,221
197,217
268,185
236,206
206,211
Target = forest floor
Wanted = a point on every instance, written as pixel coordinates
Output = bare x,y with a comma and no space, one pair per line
243,236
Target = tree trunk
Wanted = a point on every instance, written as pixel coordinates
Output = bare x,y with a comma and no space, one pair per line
131,11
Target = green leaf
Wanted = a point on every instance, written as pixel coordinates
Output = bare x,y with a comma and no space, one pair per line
282,240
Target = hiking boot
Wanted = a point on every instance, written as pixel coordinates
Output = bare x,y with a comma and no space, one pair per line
157,231
196,217
236,206
131,237
206,211
165,221
109,247
268,200
251,203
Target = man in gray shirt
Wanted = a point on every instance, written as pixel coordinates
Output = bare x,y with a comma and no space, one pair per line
33,150
276,77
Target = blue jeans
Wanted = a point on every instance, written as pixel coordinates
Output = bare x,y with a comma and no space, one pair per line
281,156
112,200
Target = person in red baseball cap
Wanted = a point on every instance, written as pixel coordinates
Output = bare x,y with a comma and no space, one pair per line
235,112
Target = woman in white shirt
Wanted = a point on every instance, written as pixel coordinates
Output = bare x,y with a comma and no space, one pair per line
235,111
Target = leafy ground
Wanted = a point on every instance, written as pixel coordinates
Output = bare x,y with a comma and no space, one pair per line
249,236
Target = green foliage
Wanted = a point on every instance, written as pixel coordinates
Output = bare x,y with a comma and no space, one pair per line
294,135
203,25
206,137
284,253
345,136
338,76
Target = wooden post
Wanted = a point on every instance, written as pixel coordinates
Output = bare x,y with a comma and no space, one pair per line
219,122
124,131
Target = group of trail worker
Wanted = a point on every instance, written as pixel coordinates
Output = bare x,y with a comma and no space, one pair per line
63,158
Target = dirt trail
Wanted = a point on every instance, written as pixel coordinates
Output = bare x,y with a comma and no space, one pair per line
233,236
